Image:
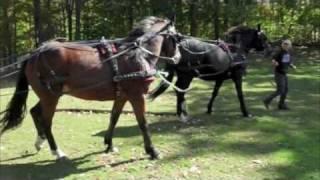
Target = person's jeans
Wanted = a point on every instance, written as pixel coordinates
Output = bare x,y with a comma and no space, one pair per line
282,89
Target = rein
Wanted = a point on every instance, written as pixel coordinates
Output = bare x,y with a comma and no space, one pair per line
171,59
159,73
216,42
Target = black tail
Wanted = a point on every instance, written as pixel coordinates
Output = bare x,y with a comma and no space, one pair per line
15,111
162,86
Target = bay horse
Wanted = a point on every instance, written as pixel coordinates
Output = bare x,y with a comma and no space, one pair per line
121,74
209,62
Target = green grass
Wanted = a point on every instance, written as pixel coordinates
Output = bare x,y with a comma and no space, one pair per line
272,145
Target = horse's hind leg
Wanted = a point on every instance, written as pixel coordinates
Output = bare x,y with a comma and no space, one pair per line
48,108
138,105
116,111
36,116
214,95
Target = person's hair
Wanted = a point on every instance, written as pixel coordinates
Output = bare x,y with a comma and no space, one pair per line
287,41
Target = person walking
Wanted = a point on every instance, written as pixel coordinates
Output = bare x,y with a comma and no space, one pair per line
281,61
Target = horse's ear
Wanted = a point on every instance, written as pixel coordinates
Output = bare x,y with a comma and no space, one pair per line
259,27
172,18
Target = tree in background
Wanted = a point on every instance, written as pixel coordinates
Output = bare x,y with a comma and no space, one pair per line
83,19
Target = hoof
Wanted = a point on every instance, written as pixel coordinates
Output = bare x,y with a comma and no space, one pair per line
39,144
154,154
38,148
209,111
266,104
248,115
63,159
111,149
184,118
59,154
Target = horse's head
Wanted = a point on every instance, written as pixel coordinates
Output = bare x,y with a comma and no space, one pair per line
260,42
249,38
158,36
170,45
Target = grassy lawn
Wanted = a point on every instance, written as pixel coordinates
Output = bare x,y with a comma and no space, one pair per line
271,145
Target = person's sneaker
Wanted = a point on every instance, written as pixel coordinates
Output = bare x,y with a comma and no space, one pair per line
283,107
266,104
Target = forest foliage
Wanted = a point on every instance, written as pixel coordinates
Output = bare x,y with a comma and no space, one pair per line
26,23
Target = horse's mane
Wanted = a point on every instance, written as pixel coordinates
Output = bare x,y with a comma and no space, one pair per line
145,25
55,44
238,29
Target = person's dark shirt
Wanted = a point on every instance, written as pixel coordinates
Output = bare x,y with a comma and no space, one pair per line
284,60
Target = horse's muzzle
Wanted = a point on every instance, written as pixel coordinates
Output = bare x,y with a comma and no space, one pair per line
177,56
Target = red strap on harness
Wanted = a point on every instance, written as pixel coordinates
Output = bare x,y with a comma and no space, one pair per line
224,46
114,49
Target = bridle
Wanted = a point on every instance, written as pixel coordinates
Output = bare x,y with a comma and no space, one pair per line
138,44
165,32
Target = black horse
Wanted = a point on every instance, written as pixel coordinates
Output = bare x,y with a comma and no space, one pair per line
213,62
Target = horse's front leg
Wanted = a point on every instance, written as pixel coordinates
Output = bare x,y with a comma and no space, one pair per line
182,83
138,105
238,84
214,95
116,111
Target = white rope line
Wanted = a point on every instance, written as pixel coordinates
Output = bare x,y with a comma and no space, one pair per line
160,57
10,74
201,39
23,57
159,73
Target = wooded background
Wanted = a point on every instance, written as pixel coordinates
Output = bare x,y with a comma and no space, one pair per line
24,24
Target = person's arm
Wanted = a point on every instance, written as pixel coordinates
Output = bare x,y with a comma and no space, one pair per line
291,63
274,63
292,66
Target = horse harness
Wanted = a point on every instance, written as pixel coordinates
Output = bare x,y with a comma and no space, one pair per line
227,49
108,52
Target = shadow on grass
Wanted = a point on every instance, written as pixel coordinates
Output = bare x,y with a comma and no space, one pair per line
48,169
18,158
52,169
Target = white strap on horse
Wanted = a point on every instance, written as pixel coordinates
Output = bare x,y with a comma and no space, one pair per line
161,73
160,57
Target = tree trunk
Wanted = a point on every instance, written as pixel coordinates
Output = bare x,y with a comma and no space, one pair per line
63,19
50,27
192,16
131,14
14,35
216,14
226,15
6,27
69,9
79,4
37,22
180,19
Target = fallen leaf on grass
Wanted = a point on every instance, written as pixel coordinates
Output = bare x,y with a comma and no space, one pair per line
257,161
195,169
